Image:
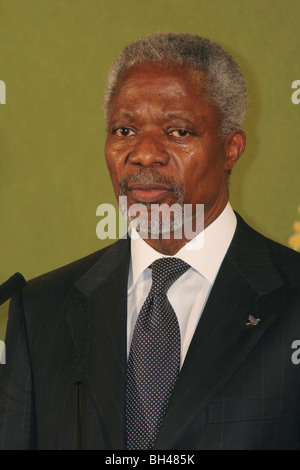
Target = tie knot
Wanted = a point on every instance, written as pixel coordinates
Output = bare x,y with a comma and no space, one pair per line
165,272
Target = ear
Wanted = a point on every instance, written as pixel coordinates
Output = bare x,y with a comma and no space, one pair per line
234,146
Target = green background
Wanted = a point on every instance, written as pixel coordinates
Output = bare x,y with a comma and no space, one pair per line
54,57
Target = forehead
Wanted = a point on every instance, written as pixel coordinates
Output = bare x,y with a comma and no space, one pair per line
167,86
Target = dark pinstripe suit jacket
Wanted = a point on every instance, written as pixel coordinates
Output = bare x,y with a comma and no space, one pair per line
238,388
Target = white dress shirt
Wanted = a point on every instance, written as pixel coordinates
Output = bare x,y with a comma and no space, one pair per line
188,295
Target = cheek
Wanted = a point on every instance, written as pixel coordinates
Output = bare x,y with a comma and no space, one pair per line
203,176
113,166
114,154
197,166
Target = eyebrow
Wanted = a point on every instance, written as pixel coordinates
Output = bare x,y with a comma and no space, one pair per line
177,117
123,115
168,116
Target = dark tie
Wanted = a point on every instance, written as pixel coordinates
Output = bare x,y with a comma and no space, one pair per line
154,358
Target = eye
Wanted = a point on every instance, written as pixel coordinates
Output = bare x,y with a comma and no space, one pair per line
179,133
123,132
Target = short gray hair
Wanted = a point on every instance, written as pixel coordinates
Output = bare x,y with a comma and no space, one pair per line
226,83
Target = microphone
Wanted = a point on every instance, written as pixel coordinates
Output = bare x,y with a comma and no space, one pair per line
11,287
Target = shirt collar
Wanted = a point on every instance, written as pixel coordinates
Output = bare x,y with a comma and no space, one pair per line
213,244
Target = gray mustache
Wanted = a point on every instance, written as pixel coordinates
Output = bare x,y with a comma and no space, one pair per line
152,176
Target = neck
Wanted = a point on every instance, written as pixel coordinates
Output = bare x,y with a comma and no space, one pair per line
166,247
171,245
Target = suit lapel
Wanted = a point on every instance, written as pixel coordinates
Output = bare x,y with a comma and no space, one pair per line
247,284
104,290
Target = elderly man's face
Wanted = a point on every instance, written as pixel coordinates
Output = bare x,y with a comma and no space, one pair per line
163,142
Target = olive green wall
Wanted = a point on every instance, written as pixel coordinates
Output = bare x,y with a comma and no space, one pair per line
54,57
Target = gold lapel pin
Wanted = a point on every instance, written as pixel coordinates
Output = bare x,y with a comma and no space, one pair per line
252,320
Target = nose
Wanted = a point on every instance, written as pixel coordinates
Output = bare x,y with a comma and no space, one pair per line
149,150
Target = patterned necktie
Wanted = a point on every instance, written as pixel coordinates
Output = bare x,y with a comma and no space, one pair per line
154,358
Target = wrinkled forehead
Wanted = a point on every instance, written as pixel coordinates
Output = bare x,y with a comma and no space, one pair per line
168,80
172,68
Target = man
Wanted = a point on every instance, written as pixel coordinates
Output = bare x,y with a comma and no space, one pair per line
97,358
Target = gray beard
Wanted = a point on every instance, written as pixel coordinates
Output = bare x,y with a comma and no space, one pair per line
154,220
159,221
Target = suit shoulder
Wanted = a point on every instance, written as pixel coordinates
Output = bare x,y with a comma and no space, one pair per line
285,259
63,277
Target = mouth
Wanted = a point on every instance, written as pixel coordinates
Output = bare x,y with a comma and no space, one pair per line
148,192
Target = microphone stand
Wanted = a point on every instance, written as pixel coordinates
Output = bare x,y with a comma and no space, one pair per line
81,326
78,389
81,346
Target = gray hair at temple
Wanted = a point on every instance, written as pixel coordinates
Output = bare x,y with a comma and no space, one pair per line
224,79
